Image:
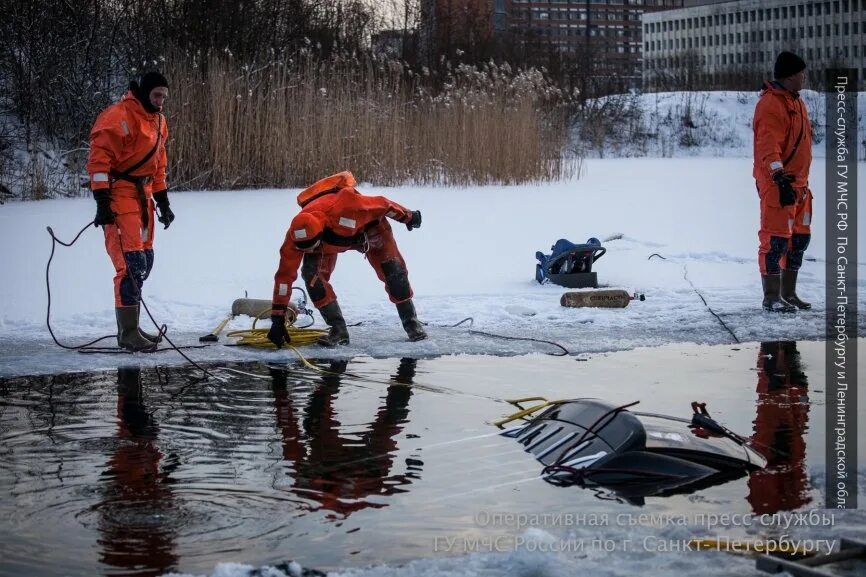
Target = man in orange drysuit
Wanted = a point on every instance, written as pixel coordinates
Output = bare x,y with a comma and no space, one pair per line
335,218
127,176
783,153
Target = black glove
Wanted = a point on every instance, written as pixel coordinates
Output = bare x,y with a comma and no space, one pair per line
787,194
104,215
166,216
415,221
278,333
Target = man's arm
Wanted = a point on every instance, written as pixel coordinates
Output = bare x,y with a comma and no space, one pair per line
159,183
287,273
770,131
106,142
379,206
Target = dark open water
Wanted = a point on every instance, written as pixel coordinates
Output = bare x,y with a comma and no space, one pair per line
139,472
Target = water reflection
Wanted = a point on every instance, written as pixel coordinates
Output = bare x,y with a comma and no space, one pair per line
341,471
136,490
780,430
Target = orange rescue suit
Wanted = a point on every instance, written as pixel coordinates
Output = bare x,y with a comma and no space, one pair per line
352,221
123,135
782,141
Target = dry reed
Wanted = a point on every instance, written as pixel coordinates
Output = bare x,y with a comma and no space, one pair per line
291,122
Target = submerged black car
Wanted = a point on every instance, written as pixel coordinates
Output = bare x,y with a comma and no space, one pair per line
592,443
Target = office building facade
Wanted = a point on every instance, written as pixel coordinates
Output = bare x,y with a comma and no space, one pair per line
734,44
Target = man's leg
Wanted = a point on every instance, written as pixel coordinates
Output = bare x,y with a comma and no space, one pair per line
386,260
773,236
801,234
316,271
124,245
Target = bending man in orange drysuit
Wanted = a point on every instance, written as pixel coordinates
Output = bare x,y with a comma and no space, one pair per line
126,165
783,153
335,218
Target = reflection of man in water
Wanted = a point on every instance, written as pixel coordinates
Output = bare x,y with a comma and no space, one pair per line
780,429
341,471
134,539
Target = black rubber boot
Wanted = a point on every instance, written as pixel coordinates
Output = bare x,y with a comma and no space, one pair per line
338,334
772,298
128,336
411,324
155,339
789,290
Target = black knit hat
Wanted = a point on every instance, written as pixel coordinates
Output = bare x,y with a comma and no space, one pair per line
147,82
787,64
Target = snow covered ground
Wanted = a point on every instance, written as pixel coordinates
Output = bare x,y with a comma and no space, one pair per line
473,257
693,124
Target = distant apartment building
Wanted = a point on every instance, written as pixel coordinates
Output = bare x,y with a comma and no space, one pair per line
608,31
734,44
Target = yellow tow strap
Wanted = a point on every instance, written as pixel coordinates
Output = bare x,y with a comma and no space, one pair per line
523,413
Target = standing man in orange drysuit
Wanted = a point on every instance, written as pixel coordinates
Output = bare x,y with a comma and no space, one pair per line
783,153
127,176
335,218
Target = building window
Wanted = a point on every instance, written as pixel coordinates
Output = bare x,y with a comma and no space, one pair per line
808,9
845,29
817,9
739,38
784,11
809,54
760,35
739,17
